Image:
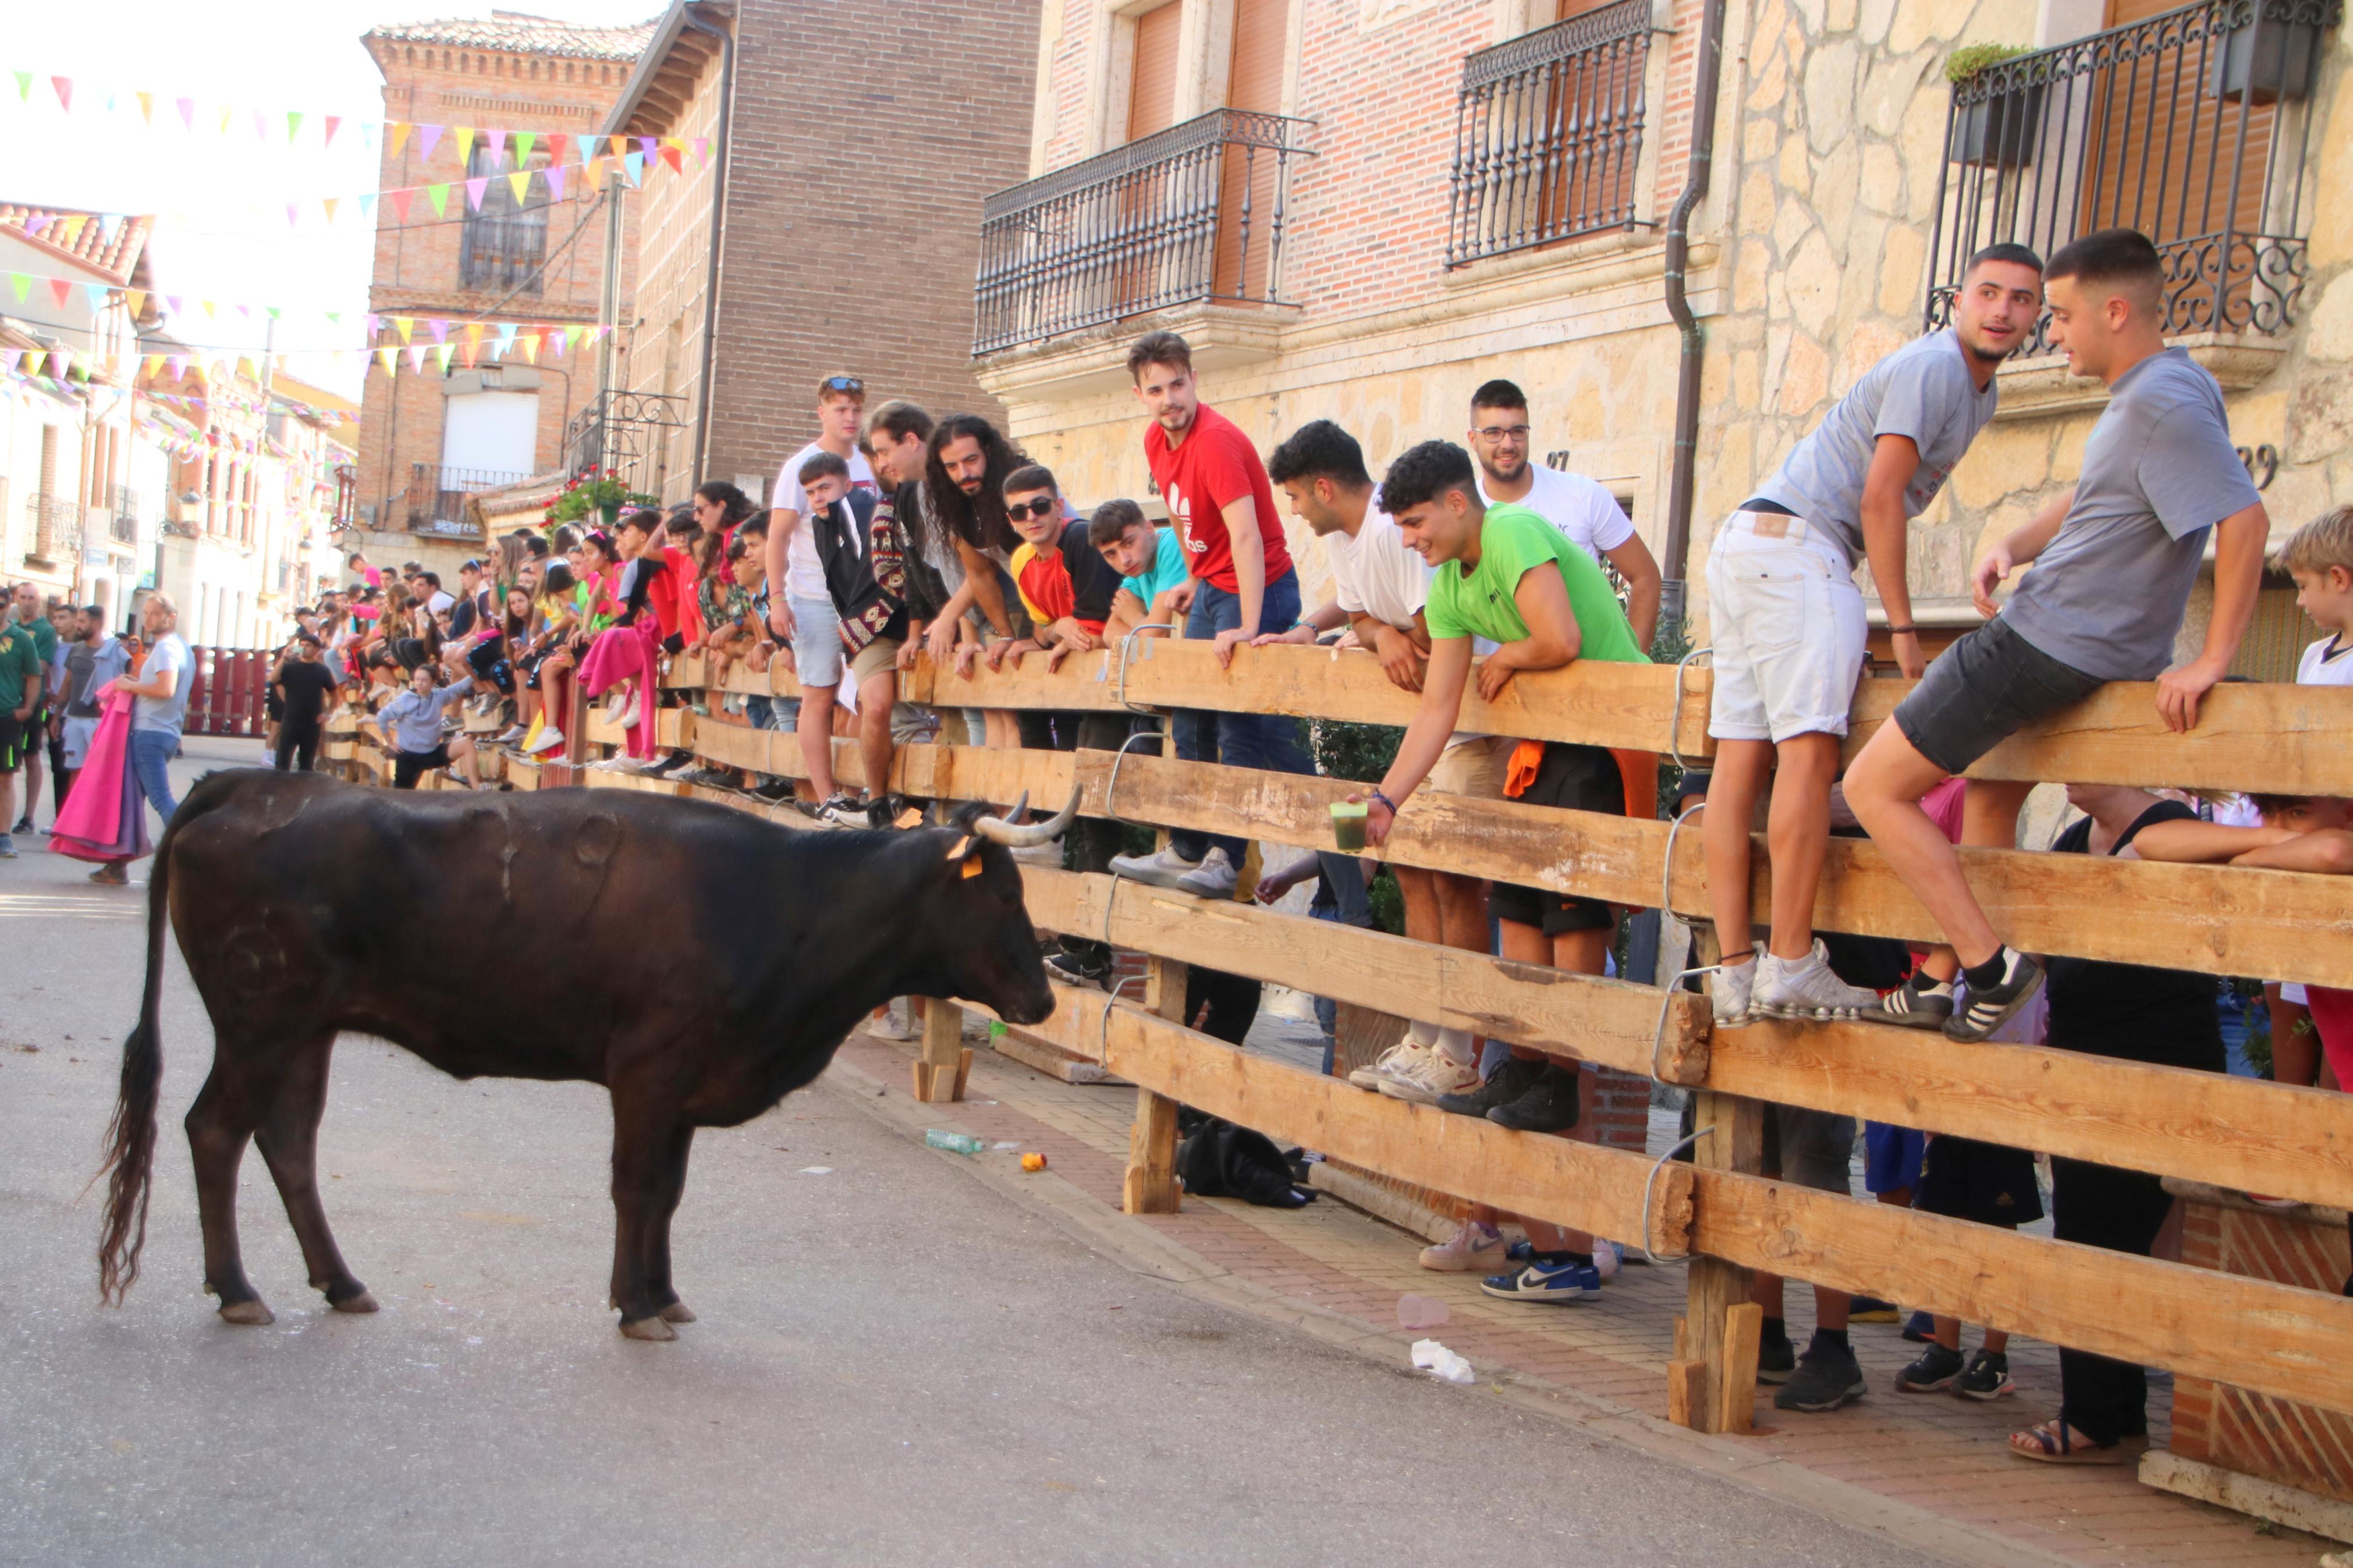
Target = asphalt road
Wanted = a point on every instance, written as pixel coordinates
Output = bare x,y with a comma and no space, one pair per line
894,1365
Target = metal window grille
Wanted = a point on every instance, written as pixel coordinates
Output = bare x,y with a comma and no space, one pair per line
55,527
436,495
2194,126
1197,212
1549,133
501,245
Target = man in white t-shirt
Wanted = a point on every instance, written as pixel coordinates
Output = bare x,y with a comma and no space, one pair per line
1586,515
801,608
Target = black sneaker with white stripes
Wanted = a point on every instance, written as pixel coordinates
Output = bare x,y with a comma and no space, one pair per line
1919,1003
1989,1009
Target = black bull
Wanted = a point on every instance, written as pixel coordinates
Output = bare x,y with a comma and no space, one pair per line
699,964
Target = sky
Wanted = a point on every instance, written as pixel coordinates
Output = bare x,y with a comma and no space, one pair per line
221,197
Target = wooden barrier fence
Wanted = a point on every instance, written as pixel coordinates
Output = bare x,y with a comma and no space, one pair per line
2274,1339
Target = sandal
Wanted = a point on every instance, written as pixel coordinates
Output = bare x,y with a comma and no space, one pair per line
2053,1442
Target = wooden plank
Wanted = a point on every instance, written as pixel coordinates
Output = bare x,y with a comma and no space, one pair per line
1730,1136
2274,1339
1610,1022
2255,735
1018,1046
2252,1495
1149,1184
1736,1389
939,1063
1585,1186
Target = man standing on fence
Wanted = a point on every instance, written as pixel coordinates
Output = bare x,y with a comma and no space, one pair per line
2116,557
1507,575
1222,507
1788,633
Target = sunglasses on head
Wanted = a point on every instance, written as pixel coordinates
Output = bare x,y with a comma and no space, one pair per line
848,384
1044,506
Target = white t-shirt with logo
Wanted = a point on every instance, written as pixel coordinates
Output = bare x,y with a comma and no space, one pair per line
1587,514
804,574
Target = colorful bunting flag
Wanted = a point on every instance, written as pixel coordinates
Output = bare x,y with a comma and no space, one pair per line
474,189
396,136
95,293
147,106
427,138
439,196
64,85
333,122
556,140
400,200
21,282
555,173
25,86
440,329
465,135
61,288
443,353
293,123
406,324
524,141
498,147
635,164
520,183
385,356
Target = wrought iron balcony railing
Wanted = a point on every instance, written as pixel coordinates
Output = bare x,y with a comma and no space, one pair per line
123,516
1547,134
2194,126
1195,213
625,434
436,495
55,527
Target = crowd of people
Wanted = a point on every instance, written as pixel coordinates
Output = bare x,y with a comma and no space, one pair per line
893,533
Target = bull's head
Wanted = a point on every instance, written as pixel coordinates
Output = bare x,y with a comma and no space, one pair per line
988,938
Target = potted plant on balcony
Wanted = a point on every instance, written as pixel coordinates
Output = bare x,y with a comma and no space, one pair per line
2268,56
599,490
1999,131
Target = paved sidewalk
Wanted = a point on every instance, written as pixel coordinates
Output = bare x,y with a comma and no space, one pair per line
1930,1469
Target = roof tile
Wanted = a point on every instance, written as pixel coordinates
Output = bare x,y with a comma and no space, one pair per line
522,34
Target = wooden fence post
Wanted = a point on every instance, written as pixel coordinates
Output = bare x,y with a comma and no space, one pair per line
942,1063
1716,1344
1151,1185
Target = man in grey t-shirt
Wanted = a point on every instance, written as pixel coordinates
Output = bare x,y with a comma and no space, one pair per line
2118,555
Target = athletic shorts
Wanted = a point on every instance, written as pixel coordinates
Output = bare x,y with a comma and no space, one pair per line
1891,1157
817,642
1573,778
407,767
1987,1183
12,742
1983,691
875,658
1788,629
1808,1147
1474,767
78,734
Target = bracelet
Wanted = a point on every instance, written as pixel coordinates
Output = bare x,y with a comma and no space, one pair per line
1376,795
1903,631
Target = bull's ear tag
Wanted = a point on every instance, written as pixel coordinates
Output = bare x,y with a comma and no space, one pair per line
972,867
956,850
911,818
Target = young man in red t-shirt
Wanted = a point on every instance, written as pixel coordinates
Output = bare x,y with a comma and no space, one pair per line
1222,508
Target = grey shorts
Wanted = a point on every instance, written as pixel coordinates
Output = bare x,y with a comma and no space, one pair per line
1983,691
817,642
1810,1148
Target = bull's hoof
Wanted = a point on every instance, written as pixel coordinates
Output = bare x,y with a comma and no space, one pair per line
651,1328
678,1313
253,1314
363,1302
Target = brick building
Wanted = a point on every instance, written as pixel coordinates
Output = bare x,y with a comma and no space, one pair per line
429,438
1360,209
860,138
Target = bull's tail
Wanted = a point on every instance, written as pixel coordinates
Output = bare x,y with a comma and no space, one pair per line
130,1165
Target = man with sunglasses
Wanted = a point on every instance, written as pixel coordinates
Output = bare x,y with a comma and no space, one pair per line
1586,515
801,608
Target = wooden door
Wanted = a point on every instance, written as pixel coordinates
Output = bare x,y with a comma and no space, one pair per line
1249,185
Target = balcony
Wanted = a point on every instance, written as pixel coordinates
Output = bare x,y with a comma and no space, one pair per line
123,515
1195,214
436,497
1549,133
55,525
2194,127
624,432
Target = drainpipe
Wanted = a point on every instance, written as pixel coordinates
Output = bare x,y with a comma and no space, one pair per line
1706,66
718,216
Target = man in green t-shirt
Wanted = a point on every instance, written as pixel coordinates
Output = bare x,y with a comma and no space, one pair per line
33,620
1506,574
21,675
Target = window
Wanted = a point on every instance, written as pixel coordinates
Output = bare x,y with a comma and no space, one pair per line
502,244
1152,71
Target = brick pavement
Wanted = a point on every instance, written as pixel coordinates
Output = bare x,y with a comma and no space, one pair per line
1942,1456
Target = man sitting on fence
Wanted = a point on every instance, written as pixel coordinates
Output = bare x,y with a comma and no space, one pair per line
412,722
1505,574
2116,557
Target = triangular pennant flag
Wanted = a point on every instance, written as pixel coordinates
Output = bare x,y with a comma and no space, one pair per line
187,108
246,310
619,144
329,203
372,321
555,144
530,341
96,294
439,196
396,136
333,123
293,123
61,288
400,200
703,148
34,225
24,86
207,305
465,135
595,170
506,334
226,111
34,360
292,211
556,341
474,189
571,335
64,85
21,282
261,125
173,300
635,162
367,135
61,363
107,223
443,353
406,326
138,298
367,206
179,364
8,358
440,329
245,367
152,364
555,173
416,352
427,138
520,183
72,226
646,145
273,312
523,142
672,155
498,147
473,331
385,356
147,106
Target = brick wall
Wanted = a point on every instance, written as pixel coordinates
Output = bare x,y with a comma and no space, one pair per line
853,206
416,261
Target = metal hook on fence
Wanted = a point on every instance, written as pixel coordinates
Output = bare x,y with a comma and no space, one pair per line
1651,1181
1125,644
1111,788
1676,717
1667,872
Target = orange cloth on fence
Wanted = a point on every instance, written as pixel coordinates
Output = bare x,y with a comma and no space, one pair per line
1521,771
1638,771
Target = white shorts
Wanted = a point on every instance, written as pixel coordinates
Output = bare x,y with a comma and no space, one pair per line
78,733
1787,625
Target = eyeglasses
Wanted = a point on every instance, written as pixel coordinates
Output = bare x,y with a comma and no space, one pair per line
1503,433
1044,506
848,384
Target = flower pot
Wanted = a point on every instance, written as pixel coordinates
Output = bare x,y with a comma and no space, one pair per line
609,512
2000,132
2267,60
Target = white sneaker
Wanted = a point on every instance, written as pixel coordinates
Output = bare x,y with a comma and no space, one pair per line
1475,1250
550,739
1437,1074
1608,1256
1215,879
616,705
1404,1054
1161,868
1807,989
897,1023
1730,993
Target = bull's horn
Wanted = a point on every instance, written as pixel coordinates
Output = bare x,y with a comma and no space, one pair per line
998,831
